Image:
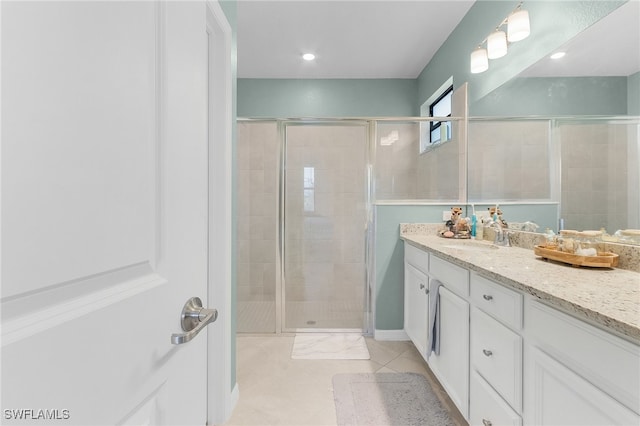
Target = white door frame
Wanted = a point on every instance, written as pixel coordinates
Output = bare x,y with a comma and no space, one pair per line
222,394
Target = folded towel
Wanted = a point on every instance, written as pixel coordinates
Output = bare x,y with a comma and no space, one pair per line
433,342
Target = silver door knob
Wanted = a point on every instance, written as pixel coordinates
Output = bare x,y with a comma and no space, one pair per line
194,319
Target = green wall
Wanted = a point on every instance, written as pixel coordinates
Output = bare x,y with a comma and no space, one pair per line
555,97
389,258
286,98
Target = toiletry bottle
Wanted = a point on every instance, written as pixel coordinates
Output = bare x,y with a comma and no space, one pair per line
474,222
479,230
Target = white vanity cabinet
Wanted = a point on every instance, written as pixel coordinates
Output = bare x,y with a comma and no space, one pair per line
416,296
577,374
506,358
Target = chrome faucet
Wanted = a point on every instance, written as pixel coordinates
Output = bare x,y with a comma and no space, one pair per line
502,234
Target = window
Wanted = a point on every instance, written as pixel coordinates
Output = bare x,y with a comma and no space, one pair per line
309,185
438,105
441,107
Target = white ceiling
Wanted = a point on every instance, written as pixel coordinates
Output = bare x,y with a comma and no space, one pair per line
351,39
396,39
610,47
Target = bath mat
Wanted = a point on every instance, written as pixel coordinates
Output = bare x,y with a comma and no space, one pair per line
330,346
387,399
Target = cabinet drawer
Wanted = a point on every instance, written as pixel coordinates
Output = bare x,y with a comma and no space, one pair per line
497,300
416,257
486,408
453,277
609,362
496,353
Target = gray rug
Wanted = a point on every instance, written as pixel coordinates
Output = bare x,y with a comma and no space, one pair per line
387,399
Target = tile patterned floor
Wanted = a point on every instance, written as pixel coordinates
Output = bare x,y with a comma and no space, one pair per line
330,346
278,390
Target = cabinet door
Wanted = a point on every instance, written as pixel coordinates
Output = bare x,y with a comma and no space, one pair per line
560,397
416,307
451,366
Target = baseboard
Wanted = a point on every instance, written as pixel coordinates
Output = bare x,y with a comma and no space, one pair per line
390,335
233,400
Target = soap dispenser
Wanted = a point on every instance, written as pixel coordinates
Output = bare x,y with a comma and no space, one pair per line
474,222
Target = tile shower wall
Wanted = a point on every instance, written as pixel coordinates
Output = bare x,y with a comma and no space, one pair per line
599,165
396,166
439,171
257,147
402,173
508,160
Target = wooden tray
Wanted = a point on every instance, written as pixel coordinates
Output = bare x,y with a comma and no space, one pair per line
602,260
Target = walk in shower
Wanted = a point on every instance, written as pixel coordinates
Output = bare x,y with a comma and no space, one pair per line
303,216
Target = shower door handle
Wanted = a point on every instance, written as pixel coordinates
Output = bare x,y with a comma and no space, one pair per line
193,319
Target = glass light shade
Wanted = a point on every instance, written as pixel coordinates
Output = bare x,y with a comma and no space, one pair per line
496,45
518,26
479,61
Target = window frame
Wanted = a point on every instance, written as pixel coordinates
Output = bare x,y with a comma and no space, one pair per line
433,125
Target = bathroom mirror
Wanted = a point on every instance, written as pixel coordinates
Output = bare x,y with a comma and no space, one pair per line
591,101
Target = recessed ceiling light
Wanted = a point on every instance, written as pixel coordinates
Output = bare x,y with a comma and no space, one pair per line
558,55
308,56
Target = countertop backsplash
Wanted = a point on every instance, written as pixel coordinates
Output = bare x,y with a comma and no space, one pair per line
629,254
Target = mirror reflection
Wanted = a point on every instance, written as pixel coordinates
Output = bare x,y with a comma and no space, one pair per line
583,110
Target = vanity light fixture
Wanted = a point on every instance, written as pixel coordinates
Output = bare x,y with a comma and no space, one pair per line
518,28
479,60
518,25
308,56
496,44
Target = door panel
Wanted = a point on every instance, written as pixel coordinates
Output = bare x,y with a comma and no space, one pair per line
58,60
325,219
104,210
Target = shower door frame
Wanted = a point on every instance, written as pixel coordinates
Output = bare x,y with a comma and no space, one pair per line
367,320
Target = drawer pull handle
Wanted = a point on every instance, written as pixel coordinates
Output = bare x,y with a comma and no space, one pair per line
486,422
487,352
487,297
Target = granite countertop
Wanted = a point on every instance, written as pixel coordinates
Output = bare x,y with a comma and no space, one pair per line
608,297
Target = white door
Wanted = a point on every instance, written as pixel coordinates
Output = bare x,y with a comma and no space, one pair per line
105,212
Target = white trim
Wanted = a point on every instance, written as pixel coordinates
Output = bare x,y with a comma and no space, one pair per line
391,335
220,391
234,397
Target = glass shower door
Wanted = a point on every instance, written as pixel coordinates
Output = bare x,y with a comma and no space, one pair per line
324,232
